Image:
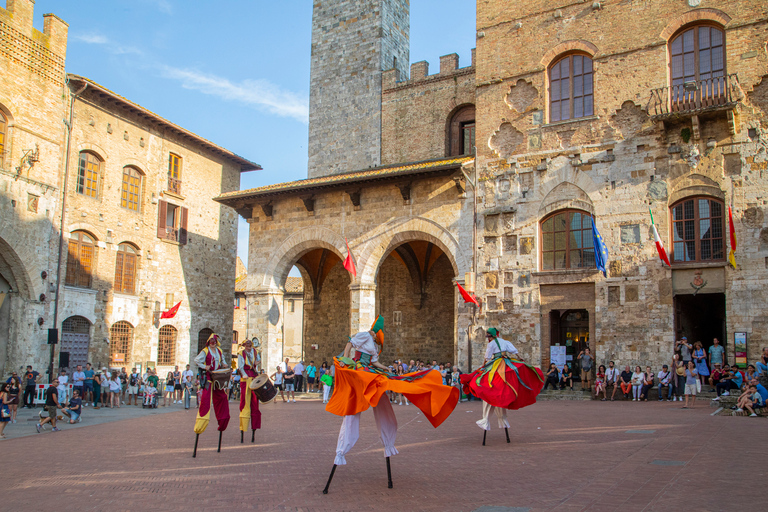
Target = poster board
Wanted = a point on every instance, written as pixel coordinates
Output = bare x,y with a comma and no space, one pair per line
557,356
740,349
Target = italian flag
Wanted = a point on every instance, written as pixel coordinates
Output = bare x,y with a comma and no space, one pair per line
659,243
731,253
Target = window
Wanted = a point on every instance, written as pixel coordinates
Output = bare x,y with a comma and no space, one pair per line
171,222
120,340
570,88
174,174
80,259
166,346
3,130
697,58
566,241
125,269
697,230
88,174
130,196
202,338
234,337
461,136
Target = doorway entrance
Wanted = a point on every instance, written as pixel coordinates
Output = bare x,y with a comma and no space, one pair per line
700,318
570,328
76,339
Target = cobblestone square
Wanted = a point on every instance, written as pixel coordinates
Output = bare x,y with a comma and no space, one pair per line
563,456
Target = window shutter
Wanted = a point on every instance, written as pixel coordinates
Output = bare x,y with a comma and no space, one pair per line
162,213
72,263
129,273
119,272
183,226
86,264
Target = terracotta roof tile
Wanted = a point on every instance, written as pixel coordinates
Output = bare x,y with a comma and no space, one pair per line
294,285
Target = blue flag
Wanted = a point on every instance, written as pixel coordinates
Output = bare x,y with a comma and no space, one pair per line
601,253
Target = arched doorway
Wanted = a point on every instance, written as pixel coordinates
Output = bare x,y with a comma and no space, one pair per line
120,343
76,339
415,295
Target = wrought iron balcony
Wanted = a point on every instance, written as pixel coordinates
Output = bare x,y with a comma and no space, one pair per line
174,185
695,97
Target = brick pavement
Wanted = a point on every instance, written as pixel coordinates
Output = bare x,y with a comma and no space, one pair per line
564,456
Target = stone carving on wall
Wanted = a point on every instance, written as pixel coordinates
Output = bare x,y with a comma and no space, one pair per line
521,96
506,140
753,217
657,190
526,245
629,119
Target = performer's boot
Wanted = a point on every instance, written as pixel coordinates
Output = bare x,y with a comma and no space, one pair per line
333,470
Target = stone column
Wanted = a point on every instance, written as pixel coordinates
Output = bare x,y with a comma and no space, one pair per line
265,321
362,304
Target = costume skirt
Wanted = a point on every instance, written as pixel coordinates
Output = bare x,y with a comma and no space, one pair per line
358,387
505,382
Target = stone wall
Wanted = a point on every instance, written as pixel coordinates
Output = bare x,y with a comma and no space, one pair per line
326,319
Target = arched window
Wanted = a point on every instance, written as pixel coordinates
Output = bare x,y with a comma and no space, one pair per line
80,259
130,195
88,172
125,268
202,338
570,88
697,230
166,346
697,63
3,130
120,341
566,241
461,132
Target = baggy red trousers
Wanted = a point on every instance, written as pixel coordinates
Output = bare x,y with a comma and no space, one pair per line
247,394
220,405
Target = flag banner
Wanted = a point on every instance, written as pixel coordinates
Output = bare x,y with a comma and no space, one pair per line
659,243
349,263
731,253
467,296
601,253
171,312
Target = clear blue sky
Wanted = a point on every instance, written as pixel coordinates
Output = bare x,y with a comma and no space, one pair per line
234,71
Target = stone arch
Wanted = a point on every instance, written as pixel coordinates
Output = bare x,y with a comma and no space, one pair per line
384,240
566,195
565,173
91,148
694,185
708,14
298,243
14,271
568,46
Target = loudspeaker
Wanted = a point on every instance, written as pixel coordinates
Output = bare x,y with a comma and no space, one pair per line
53,336
63,359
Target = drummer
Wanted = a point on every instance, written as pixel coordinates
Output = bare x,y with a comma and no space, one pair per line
247,364
211,358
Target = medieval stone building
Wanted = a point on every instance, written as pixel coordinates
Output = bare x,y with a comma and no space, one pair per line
576,119
128,192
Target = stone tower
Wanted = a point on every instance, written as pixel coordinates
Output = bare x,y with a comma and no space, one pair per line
353,41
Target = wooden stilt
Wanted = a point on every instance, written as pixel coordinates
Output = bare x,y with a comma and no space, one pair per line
219,450
325,491
389,475
253,436
241,436
197,438
506,431
484,433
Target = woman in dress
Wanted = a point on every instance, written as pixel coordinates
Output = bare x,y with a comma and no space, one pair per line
700,358
170,382
5,411
14,391
600,382
115,389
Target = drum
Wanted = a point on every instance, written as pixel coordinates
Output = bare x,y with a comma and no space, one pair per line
264,389
220,379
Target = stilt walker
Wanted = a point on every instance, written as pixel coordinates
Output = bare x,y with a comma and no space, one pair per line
361,382
214,395
247,364
504,382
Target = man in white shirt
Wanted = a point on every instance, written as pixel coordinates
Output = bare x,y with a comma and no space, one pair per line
299,371
611,378
187,373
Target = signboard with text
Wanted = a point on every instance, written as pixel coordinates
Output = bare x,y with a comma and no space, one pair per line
740,348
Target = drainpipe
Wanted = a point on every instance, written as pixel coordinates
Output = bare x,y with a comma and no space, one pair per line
472,325
68,123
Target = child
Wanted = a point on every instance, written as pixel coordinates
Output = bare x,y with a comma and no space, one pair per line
150,395
187,391
750,400
600,382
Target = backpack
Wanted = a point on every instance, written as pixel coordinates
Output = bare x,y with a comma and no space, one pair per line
134,380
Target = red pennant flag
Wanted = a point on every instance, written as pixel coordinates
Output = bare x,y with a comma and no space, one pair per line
467,296
349,263
659,244
732,229
171,312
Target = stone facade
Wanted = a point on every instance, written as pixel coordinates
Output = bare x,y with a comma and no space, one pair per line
108,311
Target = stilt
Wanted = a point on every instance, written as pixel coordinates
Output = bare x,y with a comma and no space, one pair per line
253,436
325,491
219,450
241,436
389,475
484,433
506,431
197,438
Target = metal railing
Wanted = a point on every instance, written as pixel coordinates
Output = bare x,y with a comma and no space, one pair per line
691,97
174,185
171,234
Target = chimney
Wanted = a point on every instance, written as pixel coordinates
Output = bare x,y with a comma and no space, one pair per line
56,29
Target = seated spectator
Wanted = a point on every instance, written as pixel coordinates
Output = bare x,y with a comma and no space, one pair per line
750,400
552,377
75,407
665,378
600,382
626,382
731,379
637,383
611,379
647,383
566,377
717,374
750,374
762,364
